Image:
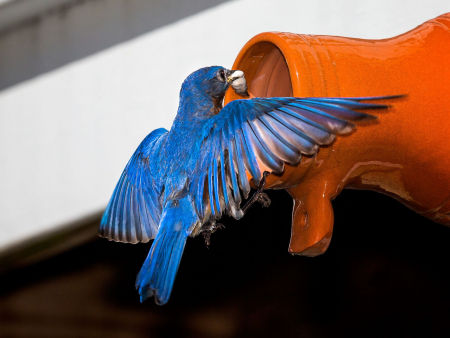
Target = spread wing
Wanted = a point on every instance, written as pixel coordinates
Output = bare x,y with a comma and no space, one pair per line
133,213
262,134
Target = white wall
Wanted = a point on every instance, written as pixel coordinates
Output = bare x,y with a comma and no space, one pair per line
75,100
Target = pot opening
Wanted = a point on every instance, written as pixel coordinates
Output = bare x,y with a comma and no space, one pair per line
266,71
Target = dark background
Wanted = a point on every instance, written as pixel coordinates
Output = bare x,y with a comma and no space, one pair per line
386,274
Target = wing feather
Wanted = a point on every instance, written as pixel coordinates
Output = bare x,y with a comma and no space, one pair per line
249,137
274,163
319,118
300,140
232,170
216,187
223,179
133,212
243,182
249,155
279,146
315,131
211,190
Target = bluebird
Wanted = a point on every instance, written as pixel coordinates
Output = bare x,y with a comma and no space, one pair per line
178,183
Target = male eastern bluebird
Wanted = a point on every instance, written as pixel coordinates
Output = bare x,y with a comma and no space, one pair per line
179,182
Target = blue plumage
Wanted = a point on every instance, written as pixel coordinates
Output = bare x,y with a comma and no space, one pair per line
160,267
180,180
133,212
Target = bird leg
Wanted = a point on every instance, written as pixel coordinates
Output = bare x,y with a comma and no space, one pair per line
209,229
259,195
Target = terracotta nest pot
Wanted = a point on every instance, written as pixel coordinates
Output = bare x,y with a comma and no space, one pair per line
405,153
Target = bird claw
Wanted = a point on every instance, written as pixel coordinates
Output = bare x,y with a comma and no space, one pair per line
264,199
208,230
259,195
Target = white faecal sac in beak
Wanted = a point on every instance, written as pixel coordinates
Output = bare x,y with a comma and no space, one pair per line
238,82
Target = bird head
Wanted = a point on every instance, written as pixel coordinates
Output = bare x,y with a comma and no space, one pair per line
213,82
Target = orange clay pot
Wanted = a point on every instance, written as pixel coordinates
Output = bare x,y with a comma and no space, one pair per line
405,154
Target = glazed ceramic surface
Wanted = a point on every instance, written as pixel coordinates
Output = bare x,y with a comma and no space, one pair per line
404,154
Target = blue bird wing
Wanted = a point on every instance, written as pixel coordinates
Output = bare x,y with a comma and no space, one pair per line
134,210
262,134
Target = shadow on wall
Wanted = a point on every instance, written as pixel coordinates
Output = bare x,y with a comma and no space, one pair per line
81,28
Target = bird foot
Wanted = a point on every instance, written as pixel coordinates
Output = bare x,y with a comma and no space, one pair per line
259,195
208,230
264,199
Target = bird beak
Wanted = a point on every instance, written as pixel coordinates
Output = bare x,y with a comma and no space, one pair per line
237,81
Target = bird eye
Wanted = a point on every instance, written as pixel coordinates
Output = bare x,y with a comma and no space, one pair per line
221,75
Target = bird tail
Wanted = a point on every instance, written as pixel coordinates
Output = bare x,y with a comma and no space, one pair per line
158,272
